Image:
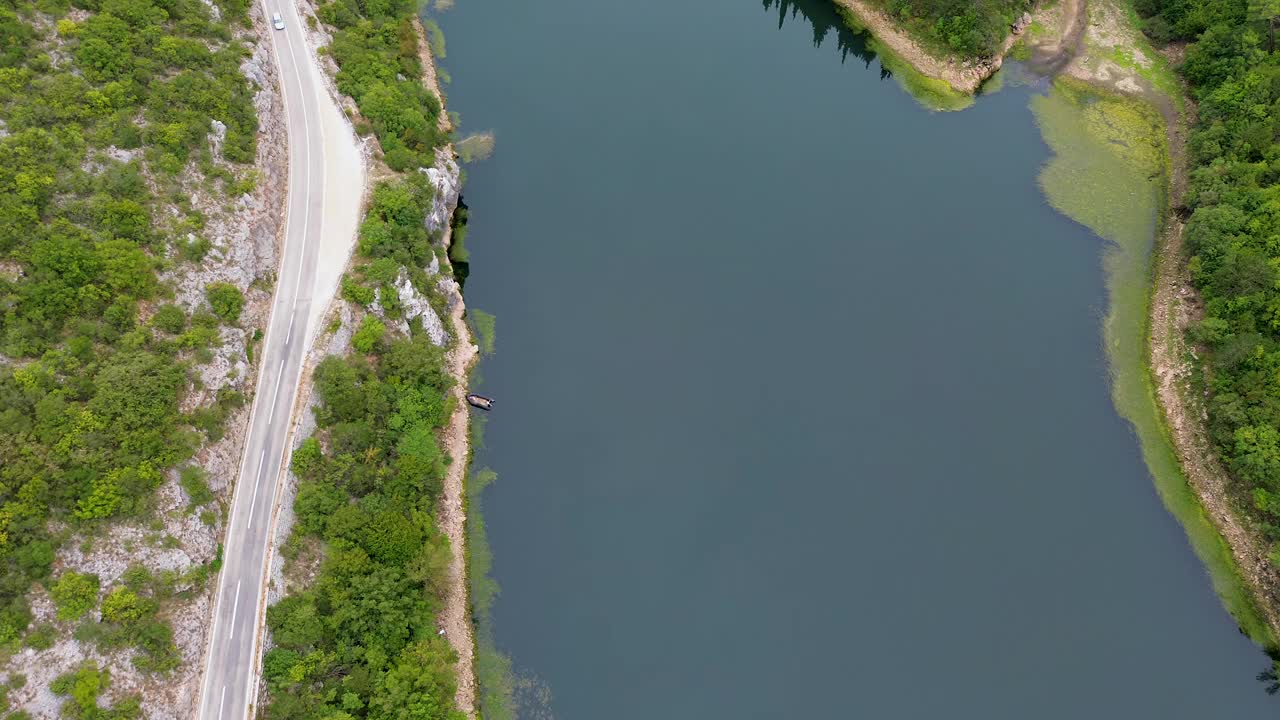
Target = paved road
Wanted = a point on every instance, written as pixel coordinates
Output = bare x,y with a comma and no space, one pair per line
229,682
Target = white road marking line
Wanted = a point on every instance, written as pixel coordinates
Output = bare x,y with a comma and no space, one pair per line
234,609
222,701
288,337
276,394
306,206
254,503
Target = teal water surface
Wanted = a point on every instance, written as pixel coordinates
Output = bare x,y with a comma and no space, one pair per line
803,409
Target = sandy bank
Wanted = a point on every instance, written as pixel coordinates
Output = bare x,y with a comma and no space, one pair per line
455,617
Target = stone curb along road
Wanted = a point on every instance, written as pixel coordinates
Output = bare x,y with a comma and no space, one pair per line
326,181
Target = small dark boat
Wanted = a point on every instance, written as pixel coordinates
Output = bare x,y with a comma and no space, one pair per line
480,401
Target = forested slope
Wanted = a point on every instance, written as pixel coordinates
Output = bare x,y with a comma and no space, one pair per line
1232,232
107,115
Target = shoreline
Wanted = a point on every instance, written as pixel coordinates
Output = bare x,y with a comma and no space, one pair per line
1218,530
1174,304
1190,482
963,76
456,614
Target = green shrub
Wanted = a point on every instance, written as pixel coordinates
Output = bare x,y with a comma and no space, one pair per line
157,652
226,300
355,292
42,637
125,606
195,249
136,577
369,335
170,318
74,594
84,686
193,482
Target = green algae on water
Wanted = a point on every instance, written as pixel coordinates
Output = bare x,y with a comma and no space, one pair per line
1108,172
483,324
494,677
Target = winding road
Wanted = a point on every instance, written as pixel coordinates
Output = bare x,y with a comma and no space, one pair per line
323,199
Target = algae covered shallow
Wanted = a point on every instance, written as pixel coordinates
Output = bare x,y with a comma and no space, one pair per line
1108,171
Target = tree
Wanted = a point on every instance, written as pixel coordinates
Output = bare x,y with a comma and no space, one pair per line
126,269
419,464
1257,455
295,623
341,389
103,499
392,538
431,565
1267,11
420,686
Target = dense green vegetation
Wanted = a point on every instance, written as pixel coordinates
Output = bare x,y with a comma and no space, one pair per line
1233,229
102,115
969,28
361,640
376,48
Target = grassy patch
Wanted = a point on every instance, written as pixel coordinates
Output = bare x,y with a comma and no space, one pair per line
494,675
1155,69
483,323
495,679
1108,173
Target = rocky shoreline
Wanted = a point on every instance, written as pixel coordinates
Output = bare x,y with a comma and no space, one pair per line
965,76
455,617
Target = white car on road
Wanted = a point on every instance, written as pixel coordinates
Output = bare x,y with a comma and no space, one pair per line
276,21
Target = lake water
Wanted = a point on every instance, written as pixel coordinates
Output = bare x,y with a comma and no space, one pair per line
803,409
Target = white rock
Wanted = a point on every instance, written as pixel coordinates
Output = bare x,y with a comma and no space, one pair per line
121,154
214,12
415,305
217,137
446,179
